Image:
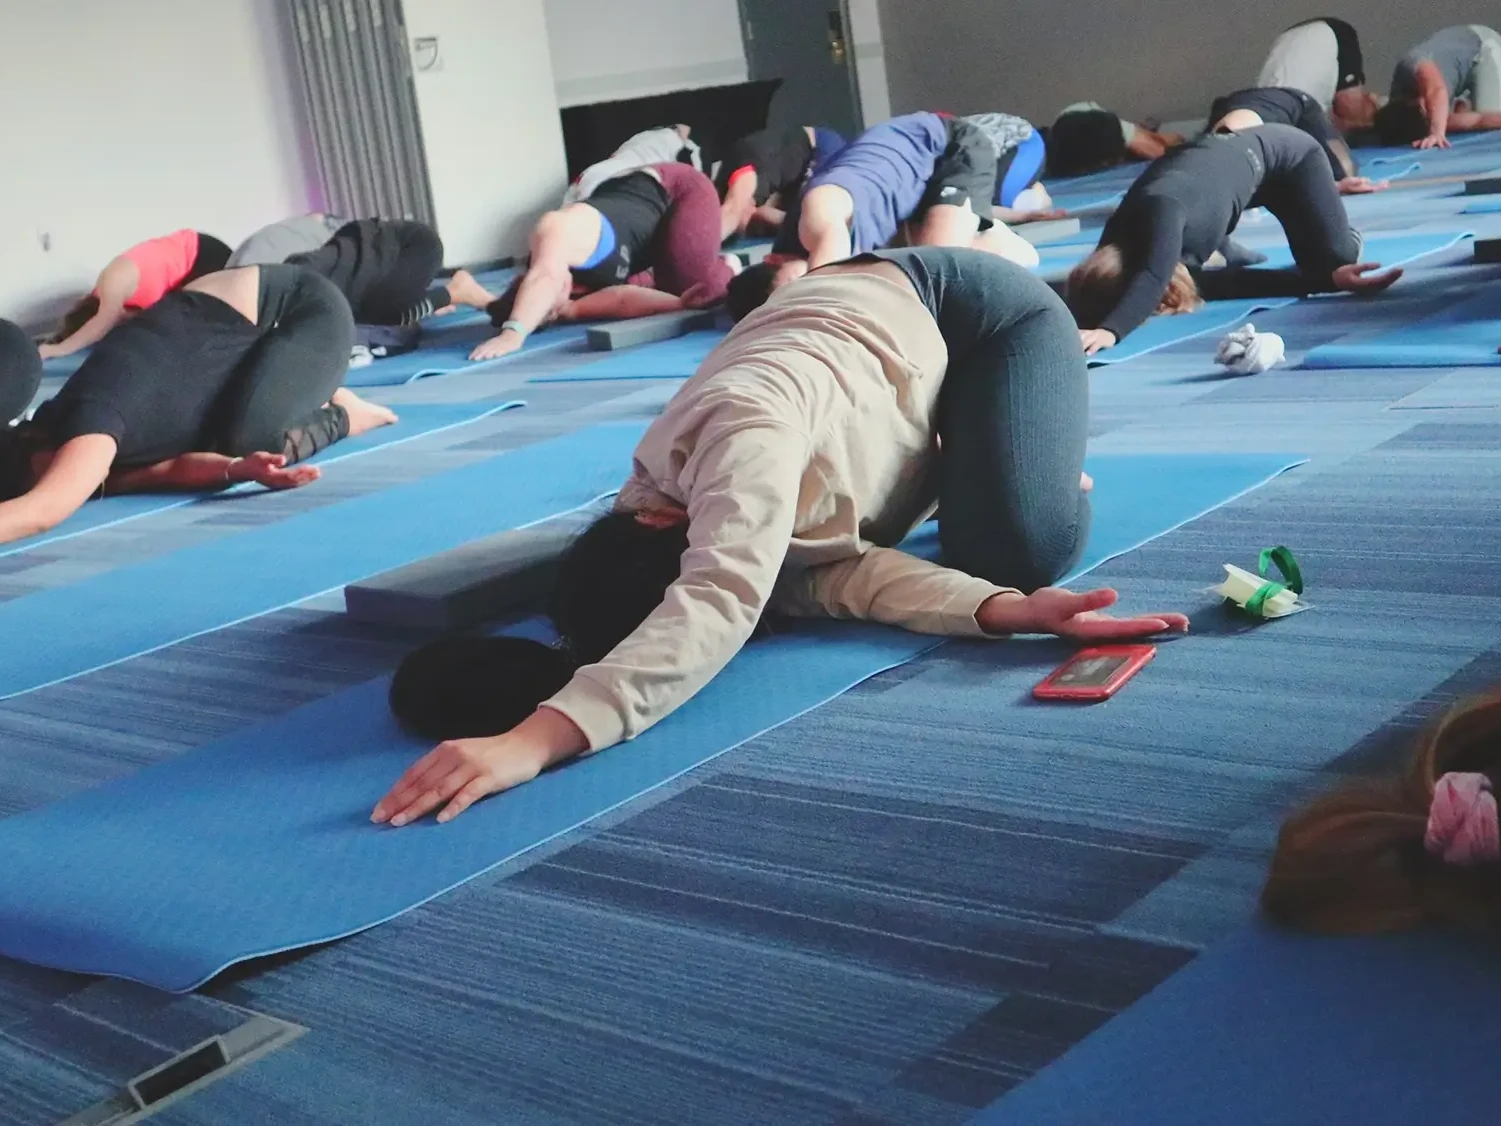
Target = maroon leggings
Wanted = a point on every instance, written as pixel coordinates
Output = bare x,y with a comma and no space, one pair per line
686,251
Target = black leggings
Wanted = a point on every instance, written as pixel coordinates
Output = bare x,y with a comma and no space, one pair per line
1013,417
20,372
384,267
277,401
1298,190
212,257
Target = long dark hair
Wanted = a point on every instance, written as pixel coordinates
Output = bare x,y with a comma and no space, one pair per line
83,311
608,582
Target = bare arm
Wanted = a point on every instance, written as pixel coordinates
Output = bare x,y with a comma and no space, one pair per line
201,472
770,214
1149,145
824,227
76,473
622,303
739,205
116,284
1469,121
1434,93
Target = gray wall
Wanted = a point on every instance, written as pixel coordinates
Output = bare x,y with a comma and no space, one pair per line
1166,59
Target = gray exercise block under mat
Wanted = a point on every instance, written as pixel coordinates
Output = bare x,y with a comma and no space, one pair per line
1488,250
1047,230
507,573
1489,185
648,330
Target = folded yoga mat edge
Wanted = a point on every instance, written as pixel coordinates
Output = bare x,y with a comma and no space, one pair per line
93,819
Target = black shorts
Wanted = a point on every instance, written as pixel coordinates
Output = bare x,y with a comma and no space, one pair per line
632,208
212,257
965,173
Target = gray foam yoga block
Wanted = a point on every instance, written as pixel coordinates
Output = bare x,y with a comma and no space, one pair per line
648,330
1488,250
507,573
1049,230
1489,185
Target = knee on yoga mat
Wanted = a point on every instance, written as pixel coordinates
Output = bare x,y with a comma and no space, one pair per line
1095,286
609,581
1389,853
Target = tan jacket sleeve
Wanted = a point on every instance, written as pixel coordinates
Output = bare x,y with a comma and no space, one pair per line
742,489
894,588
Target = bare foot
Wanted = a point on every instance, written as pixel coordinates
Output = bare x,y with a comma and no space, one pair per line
465,290
363,416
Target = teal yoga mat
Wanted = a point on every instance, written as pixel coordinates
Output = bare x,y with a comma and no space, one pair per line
261,842
447,350
111,617
1163,332
418,420
667,359
1466,334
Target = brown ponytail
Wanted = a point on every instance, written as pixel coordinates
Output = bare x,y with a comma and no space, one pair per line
1354,861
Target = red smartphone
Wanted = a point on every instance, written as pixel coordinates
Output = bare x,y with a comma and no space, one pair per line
1095,674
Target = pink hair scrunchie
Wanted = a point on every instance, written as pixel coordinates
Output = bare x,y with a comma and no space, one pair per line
1463,826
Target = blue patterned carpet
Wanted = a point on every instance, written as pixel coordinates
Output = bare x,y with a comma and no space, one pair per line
892,910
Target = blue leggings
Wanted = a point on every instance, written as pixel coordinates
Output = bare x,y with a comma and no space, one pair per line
1019,169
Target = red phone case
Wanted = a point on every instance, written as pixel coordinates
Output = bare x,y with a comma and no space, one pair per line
1136,657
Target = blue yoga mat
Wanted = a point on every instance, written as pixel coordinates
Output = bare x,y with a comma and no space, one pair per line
1483,205
123,613
446,350
1463,335
666,359
418,420
1271,1029
261,842
1162,332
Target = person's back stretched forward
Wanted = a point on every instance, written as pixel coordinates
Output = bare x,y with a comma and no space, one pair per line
781,478
1184,208
235,377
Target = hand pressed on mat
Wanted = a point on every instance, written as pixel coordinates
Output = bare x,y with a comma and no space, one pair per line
1071,614
456,774
1361,277
1095,339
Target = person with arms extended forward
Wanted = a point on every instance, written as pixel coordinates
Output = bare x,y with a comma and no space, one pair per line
781,478
1184,208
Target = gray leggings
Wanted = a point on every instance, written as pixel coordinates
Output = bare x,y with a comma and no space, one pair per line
1013,417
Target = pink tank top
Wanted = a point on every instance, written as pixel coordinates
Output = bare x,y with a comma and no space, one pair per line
164,264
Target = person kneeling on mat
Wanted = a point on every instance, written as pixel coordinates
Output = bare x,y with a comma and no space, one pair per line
1322,58
763,172
136,280
386,268
1397,851
930,174
1183,209
235,377
779,480
645,243
274,243
1021,155
1086,137
666,144
1432,82
1246,109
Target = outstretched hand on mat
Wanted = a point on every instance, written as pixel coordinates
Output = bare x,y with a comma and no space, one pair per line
1095,339
502,344
270,470
1361,185
1360,278
456,774
1071,614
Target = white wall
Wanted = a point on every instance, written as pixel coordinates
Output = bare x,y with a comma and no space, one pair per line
489,124
126,120
605,50
1166,59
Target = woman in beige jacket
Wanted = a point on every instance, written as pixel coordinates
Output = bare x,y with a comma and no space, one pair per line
780,478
